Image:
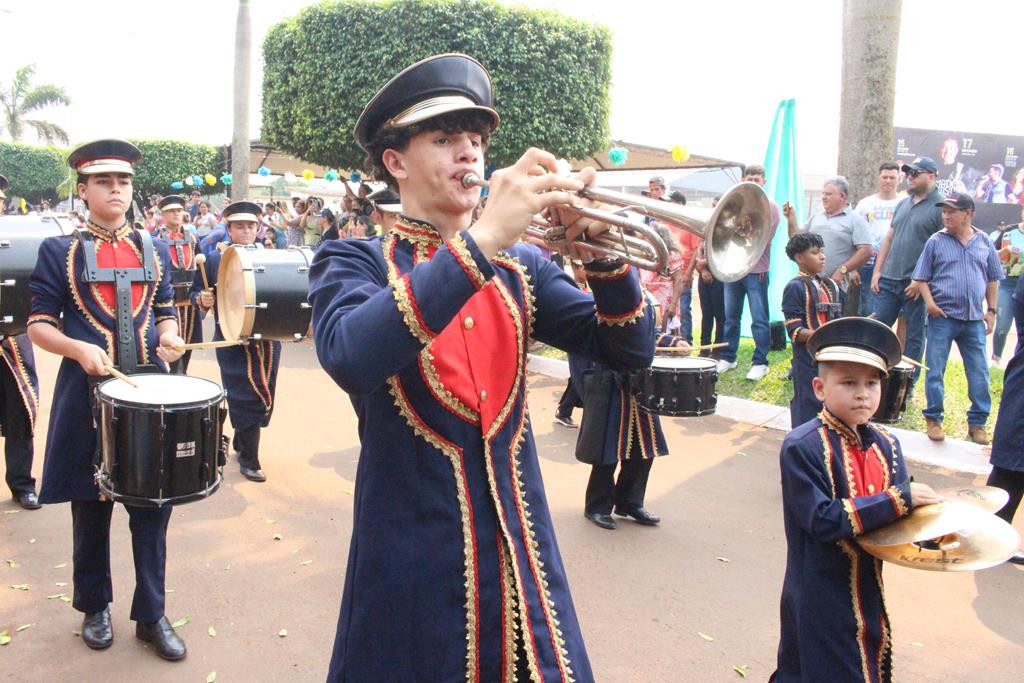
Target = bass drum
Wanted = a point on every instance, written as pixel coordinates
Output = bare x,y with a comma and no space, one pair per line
262,293
20,237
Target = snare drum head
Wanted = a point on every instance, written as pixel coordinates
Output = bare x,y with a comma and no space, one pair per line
160,389
235,289
683,363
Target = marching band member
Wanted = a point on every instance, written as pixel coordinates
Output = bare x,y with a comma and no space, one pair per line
248,372
19,404
86,288
841,477
183,249
809,301
387,206
454,572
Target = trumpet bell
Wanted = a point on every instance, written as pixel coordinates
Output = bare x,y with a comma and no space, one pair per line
737,232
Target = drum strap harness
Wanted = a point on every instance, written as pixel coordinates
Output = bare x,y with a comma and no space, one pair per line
831,307
181,277
123,278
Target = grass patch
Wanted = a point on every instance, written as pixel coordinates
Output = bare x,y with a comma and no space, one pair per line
776,389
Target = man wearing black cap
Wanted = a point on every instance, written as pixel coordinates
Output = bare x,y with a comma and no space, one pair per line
86,289
387,206
842,476
454,572
19,404
958,276
914,220
249,371
183,249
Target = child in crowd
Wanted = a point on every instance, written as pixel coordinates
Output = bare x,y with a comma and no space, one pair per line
841,477
809,301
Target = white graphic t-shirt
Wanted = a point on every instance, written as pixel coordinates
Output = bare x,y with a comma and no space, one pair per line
878,213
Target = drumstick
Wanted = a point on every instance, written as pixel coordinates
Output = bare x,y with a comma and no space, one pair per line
678,349
120,375
914,362
208,345
201,260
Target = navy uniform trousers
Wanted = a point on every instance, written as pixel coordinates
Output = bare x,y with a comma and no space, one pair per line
71,304
17,412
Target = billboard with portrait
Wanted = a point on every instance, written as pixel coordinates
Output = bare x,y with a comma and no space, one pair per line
986,166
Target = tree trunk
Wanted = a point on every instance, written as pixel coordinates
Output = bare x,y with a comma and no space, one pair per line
243,76
871,35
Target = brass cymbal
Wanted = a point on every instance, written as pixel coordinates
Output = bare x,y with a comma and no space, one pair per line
988,498
984,541
927,521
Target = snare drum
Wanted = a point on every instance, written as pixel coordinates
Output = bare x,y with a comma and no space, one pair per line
262,293
20,237
894,393
677,386
160,443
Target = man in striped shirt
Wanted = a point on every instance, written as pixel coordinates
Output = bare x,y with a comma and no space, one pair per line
958,274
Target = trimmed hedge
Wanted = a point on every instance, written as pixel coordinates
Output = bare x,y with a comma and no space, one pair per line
551,73
34,172
166,161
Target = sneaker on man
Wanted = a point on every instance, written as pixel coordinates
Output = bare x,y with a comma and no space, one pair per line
978,435
566,421
933,428
725,366
757,372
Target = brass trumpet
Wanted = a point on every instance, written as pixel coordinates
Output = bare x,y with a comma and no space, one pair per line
735,232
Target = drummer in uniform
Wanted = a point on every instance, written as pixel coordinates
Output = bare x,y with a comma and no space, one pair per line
248,371
87,289
809,301
625,436
842,476
19,404
454,572
183,249
387,206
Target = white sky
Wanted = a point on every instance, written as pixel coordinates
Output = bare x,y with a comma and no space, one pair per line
708,75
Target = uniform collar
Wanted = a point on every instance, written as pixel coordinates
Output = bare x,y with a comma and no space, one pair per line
856,437
417,231
104,235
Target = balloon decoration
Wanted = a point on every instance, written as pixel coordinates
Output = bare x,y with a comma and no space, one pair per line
263,171
188,181
197,180
355,177
226,179
177,185
618,156
210,179
307,174
290,177
680,154
331,175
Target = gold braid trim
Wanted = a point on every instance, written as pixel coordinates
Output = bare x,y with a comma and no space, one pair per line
17,366
403,300
855,597
513,263
851,484
508,613
450,400
607,274
460,249
897,500
44,318
625,318
851,515
877,452
885,647
839,427
454,455
416,232
827,448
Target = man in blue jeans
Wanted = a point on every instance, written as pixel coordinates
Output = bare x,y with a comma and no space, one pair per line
916,218
753,286
958,273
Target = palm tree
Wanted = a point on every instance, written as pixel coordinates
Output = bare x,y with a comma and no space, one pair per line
23,98
243,73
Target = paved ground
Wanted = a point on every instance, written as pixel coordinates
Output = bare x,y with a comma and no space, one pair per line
642,594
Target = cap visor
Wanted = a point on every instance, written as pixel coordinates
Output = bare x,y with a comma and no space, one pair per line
168,207
390,208
243,217
436,107
850,354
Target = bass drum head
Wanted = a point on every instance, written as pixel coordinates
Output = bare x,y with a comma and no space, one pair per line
20,239
690,363
156,389
236,292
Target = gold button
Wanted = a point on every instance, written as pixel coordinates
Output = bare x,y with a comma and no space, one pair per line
468,323
483,396
871,488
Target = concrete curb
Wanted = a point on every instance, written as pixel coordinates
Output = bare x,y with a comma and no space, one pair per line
951,454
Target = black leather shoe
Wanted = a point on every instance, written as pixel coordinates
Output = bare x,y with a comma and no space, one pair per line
97,631
640,514
252,474
166,642
29,500
1017,558
602,520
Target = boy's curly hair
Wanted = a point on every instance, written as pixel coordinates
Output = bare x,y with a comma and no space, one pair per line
801,242
389,137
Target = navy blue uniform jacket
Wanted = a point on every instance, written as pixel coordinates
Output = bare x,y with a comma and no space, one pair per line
834,623
62,299
1008,438
453,559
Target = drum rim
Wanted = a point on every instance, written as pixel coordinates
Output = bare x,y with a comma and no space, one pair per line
164,407
225,317
700,362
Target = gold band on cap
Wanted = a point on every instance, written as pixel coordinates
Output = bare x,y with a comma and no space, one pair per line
390,208
851,354
108,165
243,217
172,206
435,106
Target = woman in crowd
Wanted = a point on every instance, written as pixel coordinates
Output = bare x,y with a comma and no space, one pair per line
205,220
666,288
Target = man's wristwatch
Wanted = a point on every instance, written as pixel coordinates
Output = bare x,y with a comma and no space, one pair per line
992,311
843,269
